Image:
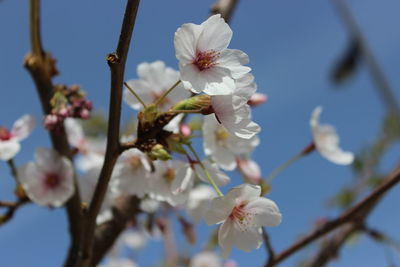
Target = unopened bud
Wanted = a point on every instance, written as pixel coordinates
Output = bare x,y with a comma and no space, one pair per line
198,102
150,113
159,152
257,99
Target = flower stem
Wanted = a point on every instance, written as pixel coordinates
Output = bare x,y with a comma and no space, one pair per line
210,179
194,111
282,167
167,92
135,94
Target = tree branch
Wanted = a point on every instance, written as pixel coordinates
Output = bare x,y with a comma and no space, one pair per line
41,67
361,209
116,61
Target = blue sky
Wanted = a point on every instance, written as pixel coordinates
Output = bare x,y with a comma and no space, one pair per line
292,47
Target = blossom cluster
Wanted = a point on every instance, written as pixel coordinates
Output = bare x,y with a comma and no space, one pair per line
162,167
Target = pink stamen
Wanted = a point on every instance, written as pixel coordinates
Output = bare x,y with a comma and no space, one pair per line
5,134
52,180
205,60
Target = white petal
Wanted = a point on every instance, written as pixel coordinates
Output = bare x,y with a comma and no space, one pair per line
314,121
47,159
245,86
216,34
245,192
234,60
8,149
23,127
218,176
226,239
219,209
185,42
265,212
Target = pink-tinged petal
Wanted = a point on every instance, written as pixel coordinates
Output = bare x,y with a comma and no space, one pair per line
219,209
23,127
250,169
47,159
234,60
265,212
185,42
8,149
216,34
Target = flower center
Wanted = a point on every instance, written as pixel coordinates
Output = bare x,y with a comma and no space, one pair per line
241,216
157,96
205,60
169,175
221,135
5,134
52,180
135,162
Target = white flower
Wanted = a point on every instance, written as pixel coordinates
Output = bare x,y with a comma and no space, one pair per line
92,150
48,181
154,80
131,174
205,62
242,213
198,201
326,141
9,140
170,182
223,146
205,259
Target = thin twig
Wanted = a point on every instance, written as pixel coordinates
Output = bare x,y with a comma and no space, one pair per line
116,62
352,214
268,246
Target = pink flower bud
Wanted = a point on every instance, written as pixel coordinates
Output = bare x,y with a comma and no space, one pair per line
257,99
185,130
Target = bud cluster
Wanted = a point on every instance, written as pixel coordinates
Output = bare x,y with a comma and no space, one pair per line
67,102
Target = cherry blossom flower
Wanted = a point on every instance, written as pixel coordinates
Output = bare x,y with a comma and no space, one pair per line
119,262
198,201
131,174
257,99
205,62
49,180
326,141
223,146
154,80
242,213
9,140
92,150
206,259
170,182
